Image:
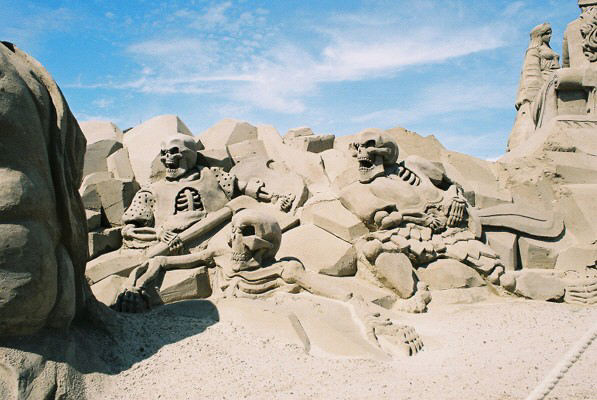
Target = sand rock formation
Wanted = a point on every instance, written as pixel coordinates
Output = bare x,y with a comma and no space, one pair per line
43,222
42,231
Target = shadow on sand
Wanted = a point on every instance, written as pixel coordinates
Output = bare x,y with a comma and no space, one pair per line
109,342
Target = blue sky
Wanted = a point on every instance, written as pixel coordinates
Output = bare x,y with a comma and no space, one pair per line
448,68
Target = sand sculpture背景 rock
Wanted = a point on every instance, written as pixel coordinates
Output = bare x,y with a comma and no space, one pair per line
42,222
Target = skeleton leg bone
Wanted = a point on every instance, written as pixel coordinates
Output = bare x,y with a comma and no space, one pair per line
393,338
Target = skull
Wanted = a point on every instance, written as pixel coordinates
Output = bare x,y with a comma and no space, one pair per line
255,239
373,149
179,155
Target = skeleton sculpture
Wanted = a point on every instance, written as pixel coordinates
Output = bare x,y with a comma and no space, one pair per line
247,267
188,193
411,207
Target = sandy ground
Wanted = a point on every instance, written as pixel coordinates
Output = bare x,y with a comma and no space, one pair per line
496,349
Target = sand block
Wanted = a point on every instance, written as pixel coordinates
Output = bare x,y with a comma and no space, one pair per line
120,263
97,154
116,195
308,165
90,197
539,286
297,132
226,133
94,219
337,163
246,149
476,176
411,143
319,251
574,167
107,290
143,143
119,165
313,144
537,193
580,208
216,158
446,274
538,254
96,131
395,271
505,244
101,242
337,220
185,284
291,320
577,258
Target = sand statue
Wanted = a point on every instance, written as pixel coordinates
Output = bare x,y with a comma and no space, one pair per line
578,49
570,93
540,62
42,222
187,194
413,209
247,267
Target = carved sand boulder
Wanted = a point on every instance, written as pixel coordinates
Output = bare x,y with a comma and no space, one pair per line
43,237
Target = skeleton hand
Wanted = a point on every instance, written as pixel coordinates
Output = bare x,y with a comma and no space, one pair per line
434,222
456,211
172,240
285,202
132,300
394,338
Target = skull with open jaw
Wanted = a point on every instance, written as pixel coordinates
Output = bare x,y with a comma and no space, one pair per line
179,155
373,149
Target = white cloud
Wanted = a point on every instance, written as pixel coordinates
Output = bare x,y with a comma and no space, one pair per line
441,99
280,77
102,102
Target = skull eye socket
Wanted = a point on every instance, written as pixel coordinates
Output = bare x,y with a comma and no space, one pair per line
163,152
248,230
369,143
173,150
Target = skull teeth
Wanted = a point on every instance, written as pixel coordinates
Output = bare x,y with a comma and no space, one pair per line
365,164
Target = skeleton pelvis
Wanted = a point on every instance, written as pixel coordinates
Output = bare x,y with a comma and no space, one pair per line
260,281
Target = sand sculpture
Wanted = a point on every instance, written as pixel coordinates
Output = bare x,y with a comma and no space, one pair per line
380,223
540,63
42,219
546,91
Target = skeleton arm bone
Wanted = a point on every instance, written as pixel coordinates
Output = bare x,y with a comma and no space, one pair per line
389,220
258,190
376,326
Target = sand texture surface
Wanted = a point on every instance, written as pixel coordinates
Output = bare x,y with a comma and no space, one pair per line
494,349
